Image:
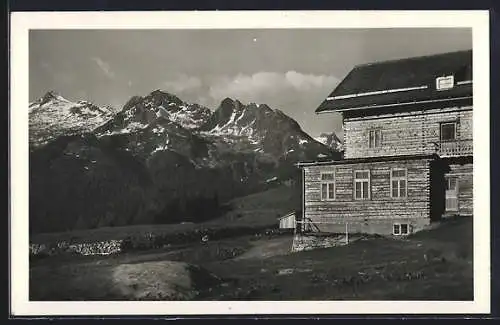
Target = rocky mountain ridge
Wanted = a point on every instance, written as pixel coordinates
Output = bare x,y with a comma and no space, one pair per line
53,115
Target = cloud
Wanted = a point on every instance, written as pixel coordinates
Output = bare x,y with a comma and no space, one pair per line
182,83
262,85
105,67
306,82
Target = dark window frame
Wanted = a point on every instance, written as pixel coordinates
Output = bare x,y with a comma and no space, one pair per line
399,227
328,183
455,129
362,180
372,141
399,179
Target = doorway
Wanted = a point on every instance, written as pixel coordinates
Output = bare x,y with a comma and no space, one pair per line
451,194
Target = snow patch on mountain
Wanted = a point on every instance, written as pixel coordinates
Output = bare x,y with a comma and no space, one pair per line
53,115
189,116
160,104
159,148
132,127
331,140
259,129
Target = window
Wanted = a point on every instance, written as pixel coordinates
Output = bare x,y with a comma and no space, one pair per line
362,184
375,138
398,182
443,83
328,186
451,183
400,229
448,131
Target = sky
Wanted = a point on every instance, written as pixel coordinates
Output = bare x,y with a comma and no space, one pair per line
291,70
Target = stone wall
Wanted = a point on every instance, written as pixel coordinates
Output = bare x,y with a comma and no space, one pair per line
97,248
309,242
148,240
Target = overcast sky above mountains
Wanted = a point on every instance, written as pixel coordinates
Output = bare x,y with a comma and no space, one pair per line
291,70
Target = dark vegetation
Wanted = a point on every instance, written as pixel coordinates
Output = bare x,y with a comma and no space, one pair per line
240,216
191,209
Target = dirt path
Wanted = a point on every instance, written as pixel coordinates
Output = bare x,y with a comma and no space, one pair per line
265,248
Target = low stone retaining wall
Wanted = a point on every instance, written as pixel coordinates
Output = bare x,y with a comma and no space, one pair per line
150,240
310,242
97,248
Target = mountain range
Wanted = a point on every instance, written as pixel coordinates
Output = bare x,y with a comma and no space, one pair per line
157,160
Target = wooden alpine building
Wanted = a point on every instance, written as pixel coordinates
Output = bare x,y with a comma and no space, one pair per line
407,148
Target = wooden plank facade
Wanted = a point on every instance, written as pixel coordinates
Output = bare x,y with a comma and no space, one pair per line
382,206
409,133
407,148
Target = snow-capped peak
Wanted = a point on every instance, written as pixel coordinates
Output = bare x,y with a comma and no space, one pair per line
331,140
53,95
161,104
53,115
49,97
237,119
258,128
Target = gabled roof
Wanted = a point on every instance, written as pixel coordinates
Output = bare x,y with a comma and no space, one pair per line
290,214
400,81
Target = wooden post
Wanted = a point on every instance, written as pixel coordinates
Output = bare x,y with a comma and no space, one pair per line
303,217
346,234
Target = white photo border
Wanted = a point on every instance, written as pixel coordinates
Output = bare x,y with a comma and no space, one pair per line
22,22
